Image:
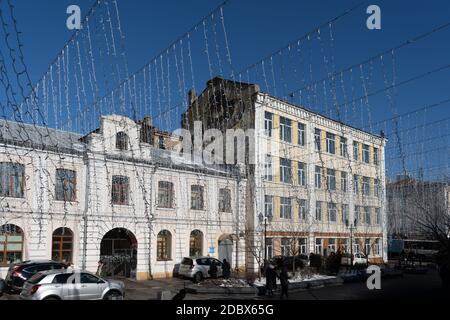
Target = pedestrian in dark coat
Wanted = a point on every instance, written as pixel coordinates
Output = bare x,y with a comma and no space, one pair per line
226,269
284,281
271,279
213,270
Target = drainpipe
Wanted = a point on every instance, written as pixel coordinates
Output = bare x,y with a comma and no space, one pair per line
86,209
150,224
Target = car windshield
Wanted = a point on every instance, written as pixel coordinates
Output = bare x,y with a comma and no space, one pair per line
38,277
187,261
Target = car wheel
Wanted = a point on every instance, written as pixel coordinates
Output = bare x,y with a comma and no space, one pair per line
114,295
51,299
198,277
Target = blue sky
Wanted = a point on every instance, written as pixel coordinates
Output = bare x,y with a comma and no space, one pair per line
255,29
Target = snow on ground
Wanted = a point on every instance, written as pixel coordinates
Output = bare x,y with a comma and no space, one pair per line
296,279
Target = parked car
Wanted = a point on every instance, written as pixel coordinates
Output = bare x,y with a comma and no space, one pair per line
358,258
196,268
2,287
71,285
21,272
301,261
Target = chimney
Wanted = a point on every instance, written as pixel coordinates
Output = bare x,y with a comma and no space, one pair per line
148,121
192,96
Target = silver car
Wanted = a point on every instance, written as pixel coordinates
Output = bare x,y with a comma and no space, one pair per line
197,268
71,285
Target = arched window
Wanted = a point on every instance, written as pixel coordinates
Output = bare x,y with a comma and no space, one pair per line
196,243
11,244
12,180
62,247
122,141
164,245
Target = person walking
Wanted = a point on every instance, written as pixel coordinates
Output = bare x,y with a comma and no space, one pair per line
271,279
284,281
226,269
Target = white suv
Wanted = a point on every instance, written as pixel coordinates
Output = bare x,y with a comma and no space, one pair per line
71,285
197,268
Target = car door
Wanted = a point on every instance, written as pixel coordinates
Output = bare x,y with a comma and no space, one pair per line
90,287
219,268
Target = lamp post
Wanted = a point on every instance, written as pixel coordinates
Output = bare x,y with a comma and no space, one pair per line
266,219
351,228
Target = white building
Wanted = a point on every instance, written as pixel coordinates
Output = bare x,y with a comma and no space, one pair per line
110,195
319,182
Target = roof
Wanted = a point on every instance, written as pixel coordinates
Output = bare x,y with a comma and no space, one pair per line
38,136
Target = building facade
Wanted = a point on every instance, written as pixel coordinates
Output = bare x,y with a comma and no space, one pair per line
315,185
113,196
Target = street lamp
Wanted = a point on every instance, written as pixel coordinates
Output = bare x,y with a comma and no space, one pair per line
266,219
352,227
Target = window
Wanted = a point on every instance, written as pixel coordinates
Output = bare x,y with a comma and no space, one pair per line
303,244
367,247
366,186
285,170
376,188
367,216
121,141
356,248
319,246
318,178
285,129
332,245
376,156
166,195
11,244
331,179
356,184
366,154
269,248
225,200
268,123
317,139
378,216
303,209
286,208
87,278
120,190
164,246
346,245
376,247
344,181
62,246
332,212
344,147
301,134
318,211
285,247
331,143
268,206
196,243
345,214
357,215
302,174
268,168
197,197
161,143
356,151
12,180
66,181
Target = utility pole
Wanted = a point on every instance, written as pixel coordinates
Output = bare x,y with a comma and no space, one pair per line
351,244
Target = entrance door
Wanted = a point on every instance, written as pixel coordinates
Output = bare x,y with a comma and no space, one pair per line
118,252
226,250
